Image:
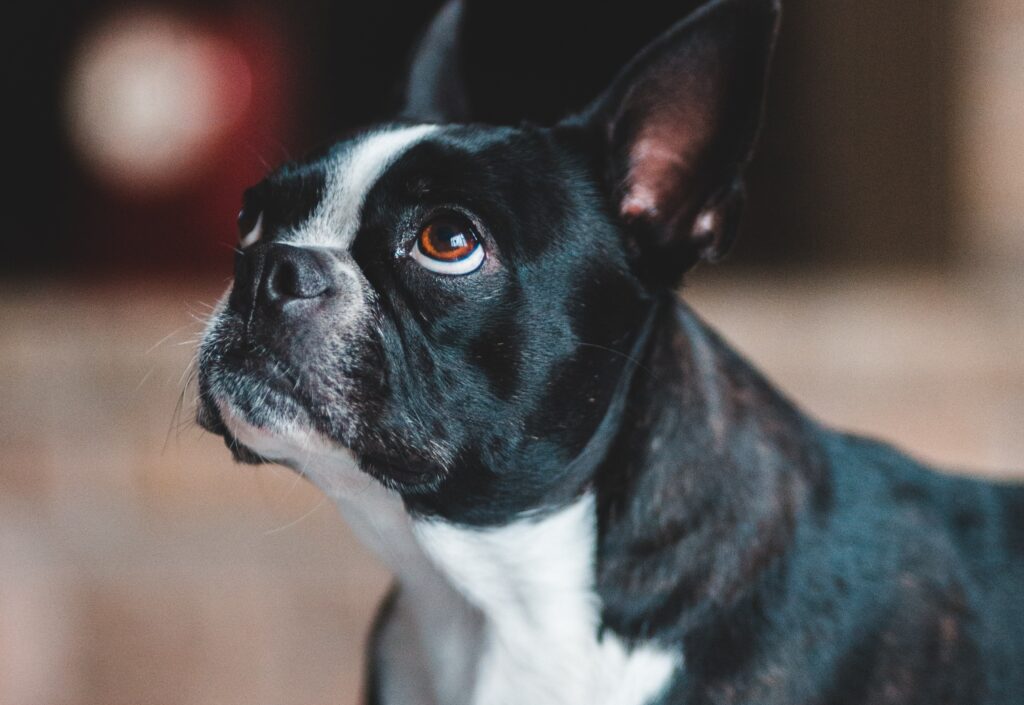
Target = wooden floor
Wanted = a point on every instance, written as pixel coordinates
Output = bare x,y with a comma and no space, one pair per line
139,566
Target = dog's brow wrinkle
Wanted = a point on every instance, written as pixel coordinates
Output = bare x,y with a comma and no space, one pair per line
350,177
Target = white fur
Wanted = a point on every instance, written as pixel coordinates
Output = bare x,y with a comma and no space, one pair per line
354,172
533,582
462,266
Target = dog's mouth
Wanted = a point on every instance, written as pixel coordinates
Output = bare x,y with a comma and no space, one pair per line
264,418
209,418
255,408
242,437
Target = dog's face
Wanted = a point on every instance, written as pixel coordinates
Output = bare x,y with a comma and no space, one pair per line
441,301
454,305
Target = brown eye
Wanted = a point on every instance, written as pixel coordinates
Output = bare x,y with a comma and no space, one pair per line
448,244
447,238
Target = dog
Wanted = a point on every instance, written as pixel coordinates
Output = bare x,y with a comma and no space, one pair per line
468,336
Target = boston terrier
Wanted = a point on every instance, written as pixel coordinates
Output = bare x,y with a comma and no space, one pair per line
468,336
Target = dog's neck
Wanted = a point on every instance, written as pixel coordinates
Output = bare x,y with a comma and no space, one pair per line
706,462
702,478
712,471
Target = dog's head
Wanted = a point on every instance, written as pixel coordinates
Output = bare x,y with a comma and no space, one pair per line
453,306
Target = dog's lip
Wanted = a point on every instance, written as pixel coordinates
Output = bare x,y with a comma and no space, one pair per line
285,443
332,467
257,439
256,445
209,420
242,453
297,442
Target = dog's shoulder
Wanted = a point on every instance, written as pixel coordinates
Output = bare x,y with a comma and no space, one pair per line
971,517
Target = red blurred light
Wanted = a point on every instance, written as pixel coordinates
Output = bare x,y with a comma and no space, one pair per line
150,95
172,117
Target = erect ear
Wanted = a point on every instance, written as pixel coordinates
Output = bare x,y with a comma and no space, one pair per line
435,90
679,125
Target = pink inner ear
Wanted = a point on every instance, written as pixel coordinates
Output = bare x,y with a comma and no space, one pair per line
660,173
640,202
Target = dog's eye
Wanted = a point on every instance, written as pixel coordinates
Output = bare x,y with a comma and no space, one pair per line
448,244
250,225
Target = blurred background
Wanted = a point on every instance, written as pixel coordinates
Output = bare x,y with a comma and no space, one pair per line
879,280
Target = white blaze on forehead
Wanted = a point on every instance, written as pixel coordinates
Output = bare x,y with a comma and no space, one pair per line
350,177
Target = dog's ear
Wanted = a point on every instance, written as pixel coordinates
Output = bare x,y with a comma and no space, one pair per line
678,126
435,89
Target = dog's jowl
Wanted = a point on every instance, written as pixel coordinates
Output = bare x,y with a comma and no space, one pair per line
468,336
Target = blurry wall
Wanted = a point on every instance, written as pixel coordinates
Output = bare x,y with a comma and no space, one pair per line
989,110
856,162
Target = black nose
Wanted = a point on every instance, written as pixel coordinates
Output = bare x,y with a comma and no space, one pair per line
294,273
270,276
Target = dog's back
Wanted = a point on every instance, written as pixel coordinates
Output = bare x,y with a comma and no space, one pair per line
940,565
901,584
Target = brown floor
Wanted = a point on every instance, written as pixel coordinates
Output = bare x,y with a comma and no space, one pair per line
140,567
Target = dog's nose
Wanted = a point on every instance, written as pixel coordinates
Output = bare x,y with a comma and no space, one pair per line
272,275
294,273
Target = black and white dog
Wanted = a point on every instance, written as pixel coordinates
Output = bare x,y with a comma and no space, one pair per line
468,337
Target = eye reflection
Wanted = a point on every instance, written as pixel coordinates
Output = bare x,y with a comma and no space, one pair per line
448,244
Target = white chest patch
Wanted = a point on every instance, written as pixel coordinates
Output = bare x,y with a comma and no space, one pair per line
533,582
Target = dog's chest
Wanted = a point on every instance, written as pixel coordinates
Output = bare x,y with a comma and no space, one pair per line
508,615
533,583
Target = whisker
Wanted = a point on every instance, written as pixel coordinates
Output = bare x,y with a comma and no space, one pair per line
630,358
167,337
252,150
143,380
176,425
295,522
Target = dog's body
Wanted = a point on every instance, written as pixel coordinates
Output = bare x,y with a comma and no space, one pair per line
467,337
840,572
